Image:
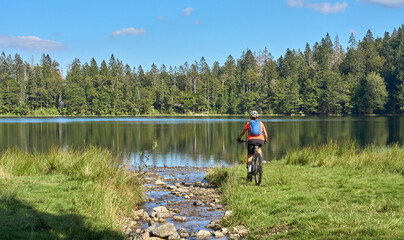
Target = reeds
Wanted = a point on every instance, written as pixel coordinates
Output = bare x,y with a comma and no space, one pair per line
374,158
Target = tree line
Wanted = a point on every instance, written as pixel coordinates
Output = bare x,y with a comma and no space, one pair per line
325,79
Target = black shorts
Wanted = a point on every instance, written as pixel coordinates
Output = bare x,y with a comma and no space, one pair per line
252,143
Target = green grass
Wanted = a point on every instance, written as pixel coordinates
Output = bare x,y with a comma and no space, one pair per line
331,192
65,194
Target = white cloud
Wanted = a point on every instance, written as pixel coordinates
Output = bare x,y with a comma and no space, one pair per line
387,3
323,7
128,31
295,3
196,21
187,11
30,43
326,8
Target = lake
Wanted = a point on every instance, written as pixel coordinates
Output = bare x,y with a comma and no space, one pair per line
201,142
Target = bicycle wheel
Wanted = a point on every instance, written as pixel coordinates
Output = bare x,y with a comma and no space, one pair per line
258,168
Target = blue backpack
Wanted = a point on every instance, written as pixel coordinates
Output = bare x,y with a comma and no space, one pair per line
255,127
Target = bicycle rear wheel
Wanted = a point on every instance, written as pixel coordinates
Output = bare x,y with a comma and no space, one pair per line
258,168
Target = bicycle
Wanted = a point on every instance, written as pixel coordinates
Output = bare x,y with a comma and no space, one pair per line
256,164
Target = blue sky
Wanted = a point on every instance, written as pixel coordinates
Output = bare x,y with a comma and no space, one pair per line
172,32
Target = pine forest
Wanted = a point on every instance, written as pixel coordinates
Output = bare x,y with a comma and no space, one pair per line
366,77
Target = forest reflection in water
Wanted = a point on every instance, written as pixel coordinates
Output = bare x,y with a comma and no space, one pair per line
193,141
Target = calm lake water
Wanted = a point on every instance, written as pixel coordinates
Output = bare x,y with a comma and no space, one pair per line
201,142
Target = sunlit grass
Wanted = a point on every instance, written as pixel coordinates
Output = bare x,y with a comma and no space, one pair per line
91,184
330,192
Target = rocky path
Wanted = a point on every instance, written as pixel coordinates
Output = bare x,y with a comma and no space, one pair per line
180,205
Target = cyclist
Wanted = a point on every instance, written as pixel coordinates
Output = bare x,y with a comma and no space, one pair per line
253,139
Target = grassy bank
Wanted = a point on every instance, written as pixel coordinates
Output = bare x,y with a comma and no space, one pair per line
64,194
331,192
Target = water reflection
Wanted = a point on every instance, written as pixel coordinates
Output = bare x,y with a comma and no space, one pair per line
192,141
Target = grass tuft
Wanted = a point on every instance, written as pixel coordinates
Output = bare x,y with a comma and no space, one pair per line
92,184
334,191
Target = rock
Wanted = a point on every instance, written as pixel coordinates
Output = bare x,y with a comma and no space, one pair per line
152,199
182,190
175,236
145,236
228,214
132,224
138,213
178,185
159,182
198,203
160,212
218,234
164,230
242,231
217,200
214,225
179,219
183,233
225,231
203,234
171,187
234,236
187,197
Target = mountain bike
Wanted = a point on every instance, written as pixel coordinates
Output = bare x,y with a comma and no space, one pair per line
256,165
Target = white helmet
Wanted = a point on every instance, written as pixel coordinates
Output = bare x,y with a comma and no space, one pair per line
254,114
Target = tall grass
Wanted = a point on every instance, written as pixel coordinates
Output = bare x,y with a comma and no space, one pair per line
335,191
110,190
379,159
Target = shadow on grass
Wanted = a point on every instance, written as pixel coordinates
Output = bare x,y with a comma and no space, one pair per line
19,220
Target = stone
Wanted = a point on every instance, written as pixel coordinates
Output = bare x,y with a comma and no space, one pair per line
228,214
183,233
225,231
175,236
214,225
239,230
242,231
138,213
150,229
203,234
160,212
159,182
164,230
145,236
218,234
198,203
182,190
152,199
234,236
179,219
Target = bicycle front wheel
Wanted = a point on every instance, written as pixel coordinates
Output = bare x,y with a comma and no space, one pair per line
258,170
